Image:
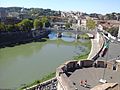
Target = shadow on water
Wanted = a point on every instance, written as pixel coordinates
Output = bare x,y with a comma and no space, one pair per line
40,40
23,42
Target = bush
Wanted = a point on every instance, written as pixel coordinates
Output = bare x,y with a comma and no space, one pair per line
113,31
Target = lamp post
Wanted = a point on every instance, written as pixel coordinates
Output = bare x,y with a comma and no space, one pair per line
107,46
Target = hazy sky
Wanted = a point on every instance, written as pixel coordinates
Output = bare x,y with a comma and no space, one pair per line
88,6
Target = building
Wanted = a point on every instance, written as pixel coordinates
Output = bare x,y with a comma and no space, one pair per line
11,20
83,22
13,14
119,32
3,14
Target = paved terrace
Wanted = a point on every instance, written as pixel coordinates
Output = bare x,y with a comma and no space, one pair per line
71,73
93,75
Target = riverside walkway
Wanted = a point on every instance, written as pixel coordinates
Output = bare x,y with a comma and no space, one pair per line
96,47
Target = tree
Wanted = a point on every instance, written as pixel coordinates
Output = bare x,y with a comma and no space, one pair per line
90,24
38,24
45,21
10,27
113,31
2,27
47,24
67,25
25,25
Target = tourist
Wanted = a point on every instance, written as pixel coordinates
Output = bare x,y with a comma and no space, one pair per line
81,82
85,83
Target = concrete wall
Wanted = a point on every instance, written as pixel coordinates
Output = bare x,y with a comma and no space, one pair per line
101,42
86,63
115,87
63,81
101,64
110,65
107,86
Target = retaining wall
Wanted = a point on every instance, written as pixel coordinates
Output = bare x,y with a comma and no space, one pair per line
19,37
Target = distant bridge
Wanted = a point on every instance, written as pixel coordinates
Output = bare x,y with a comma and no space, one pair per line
77,31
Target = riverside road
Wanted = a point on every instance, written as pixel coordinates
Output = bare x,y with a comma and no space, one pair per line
113,52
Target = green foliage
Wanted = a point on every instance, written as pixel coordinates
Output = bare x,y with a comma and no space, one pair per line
86,53
84,36
45,21
83,56
38,24
25,25
47,77
91,24
113,31
10,27
47,24
2,27
67,25
111,16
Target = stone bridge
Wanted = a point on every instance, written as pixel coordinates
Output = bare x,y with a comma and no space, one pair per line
77,32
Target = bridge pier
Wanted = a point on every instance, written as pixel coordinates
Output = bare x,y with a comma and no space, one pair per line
59,35
76,36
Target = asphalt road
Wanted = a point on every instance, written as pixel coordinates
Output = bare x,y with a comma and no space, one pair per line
113,51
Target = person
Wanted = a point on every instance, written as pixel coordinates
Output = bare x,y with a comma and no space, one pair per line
81,82
85,83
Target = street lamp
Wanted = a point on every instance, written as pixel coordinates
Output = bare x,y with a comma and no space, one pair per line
103,78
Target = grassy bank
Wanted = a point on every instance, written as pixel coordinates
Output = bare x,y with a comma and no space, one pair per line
86,53
83,36
45,78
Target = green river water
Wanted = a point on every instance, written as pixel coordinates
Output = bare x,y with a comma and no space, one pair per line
23,64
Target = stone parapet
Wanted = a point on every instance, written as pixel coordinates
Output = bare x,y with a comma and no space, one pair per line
65,70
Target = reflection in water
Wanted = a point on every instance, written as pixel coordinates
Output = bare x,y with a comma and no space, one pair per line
52,36
66,36
26,63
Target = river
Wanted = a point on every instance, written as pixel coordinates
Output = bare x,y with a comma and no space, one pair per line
23,64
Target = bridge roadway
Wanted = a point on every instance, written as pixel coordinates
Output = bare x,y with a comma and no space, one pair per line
77,31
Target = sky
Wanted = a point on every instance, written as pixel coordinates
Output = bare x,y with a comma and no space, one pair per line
88,6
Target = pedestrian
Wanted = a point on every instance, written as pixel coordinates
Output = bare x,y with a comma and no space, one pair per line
85,83
81,82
